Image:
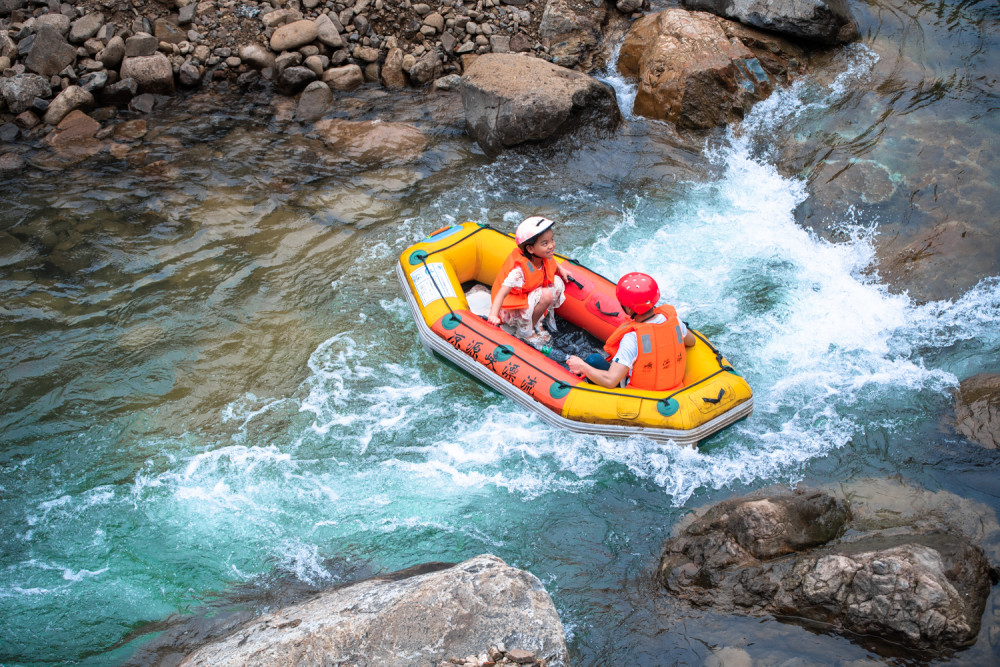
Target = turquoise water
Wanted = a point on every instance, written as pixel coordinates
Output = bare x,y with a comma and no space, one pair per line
213,391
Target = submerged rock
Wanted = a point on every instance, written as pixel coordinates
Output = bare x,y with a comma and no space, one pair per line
512,99
792,554
371,141
977,409
408,618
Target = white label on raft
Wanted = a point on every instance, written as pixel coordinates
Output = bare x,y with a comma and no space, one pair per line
424,279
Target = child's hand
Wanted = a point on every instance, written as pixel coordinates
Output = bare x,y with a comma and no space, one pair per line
493,319
576,365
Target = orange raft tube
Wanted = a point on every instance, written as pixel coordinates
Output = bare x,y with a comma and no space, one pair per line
432,273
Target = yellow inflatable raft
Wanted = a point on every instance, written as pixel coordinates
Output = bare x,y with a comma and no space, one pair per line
433,273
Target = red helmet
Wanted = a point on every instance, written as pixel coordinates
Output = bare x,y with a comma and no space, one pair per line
638,292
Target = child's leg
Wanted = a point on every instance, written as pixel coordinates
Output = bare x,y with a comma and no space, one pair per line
544,301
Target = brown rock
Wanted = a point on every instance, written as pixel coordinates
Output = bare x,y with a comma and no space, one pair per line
131,130
168,32
293,35
346,78
119,150
76,126
689,71
393,77
26,120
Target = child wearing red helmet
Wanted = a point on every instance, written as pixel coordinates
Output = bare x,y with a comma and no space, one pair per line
530,283
649,349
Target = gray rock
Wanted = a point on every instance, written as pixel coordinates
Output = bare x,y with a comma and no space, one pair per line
93,82
314,102
120,93
792,554
327,32
293,79
189,75
977,409
50,53
59,22
286,60
511,99
186,14
500,43
449,82
144,103
8,6
111,56
71,99
256,56
824,22
85,27
9,132
19,91
154,73
140,44
346,78
388,621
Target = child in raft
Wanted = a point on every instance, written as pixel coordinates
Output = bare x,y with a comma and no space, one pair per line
530,283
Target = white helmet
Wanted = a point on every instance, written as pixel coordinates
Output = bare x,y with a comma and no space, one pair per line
530,228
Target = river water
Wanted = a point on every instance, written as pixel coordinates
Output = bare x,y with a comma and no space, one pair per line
215,402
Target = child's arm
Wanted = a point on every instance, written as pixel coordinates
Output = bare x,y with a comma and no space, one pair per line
563,272
610,378
494,317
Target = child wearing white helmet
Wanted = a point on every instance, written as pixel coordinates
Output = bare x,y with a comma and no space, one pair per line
530,283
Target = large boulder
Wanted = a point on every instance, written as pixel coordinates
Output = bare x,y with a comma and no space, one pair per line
512,99
410,618
371,141
977,409
50,53
690,72
20,90
154,73
824,22
798,555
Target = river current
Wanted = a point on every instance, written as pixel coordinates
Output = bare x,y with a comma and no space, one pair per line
215,400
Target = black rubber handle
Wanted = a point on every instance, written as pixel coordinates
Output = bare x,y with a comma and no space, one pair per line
598,306
714,400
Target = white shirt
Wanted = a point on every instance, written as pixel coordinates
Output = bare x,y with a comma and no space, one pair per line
628,351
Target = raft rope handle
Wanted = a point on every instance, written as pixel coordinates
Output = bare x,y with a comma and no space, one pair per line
718,355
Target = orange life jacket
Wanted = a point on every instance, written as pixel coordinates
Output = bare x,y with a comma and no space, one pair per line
534,277
662,354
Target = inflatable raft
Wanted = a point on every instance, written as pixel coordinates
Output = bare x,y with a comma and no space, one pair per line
435,275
